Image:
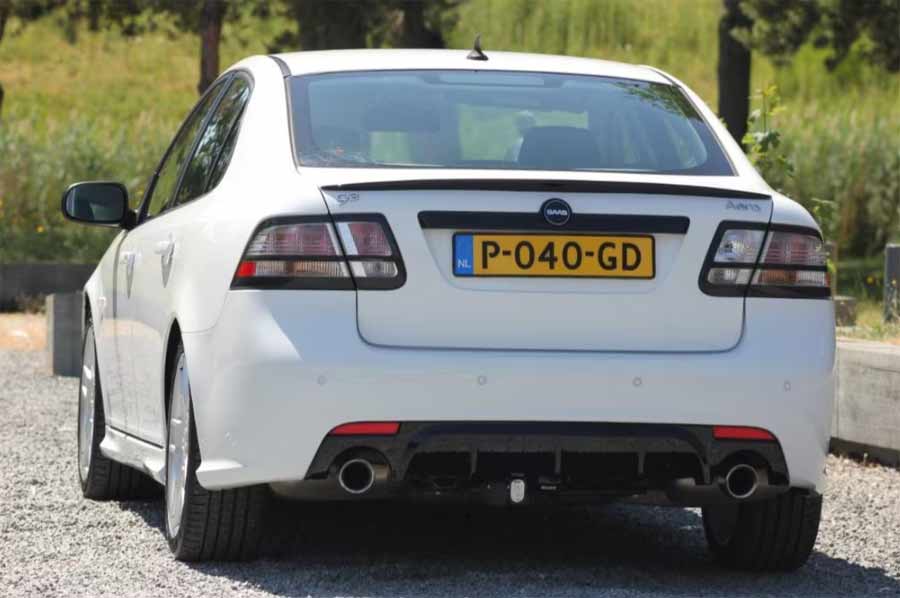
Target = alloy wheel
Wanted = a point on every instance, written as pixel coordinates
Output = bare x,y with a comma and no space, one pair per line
178,448
87,396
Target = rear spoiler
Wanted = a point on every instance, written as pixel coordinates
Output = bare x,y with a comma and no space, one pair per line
546,185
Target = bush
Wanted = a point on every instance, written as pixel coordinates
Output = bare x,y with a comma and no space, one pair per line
861,277
38,165
851,156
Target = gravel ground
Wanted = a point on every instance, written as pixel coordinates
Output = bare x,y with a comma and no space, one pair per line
54,543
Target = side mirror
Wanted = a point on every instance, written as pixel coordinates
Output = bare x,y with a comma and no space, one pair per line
96,202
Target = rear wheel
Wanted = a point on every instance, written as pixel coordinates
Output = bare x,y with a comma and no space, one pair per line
776,534
102,478
203,524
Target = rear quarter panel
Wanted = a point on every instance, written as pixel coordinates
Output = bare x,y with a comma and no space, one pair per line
261,181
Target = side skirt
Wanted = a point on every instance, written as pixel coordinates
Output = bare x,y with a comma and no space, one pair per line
134,452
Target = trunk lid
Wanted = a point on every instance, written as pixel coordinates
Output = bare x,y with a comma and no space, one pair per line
438,309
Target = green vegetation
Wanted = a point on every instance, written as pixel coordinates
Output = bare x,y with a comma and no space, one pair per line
102,109
862,277
870,325
106,106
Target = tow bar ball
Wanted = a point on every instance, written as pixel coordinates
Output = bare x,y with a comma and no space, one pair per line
517,491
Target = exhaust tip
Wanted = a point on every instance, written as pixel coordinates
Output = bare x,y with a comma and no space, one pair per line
356,476
741,481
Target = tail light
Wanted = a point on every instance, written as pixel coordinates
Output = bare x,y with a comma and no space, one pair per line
313,253
785,261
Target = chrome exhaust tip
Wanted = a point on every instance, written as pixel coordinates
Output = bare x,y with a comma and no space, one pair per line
741,481
357,476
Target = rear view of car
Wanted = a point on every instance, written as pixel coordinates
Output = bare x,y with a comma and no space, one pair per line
526,281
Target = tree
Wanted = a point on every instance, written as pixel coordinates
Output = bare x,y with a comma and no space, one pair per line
204,17
212,15
734,70
778,28
5,10
421,23
133,17
782,26
330,24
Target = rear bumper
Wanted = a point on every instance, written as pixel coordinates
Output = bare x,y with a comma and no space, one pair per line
558,462
281,369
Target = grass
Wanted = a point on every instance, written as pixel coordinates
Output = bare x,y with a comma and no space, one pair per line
106,106
861,277
870,325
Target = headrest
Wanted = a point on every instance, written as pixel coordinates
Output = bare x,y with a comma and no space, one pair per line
559,148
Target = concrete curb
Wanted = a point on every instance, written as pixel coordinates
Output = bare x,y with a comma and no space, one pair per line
867,400
64,333
32,280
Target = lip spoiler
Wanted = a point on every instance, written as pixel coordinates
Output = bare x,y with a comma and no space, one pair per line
546,185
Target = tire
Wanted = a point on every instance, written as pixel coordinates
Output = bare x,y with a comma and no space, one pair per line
102,478
200,524
776,534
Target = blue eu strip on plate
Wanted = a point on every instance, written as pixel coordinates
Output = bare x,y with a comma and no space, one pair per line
463,263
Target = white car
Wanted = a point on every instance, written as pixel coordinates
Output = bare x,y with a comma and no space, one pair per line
437,275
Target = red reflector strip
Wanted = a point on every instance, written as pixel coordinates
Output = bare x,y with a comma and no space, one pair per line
246,269
741,433
366,429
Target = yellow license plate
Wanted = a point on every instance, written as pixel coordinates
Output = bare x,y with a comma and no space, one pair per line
586,256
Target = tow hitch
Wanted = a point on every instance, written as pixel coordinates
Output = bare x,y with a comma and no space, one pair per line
517,491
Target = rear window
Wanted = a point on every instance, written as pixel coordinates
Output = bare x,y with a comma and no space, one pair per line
499,120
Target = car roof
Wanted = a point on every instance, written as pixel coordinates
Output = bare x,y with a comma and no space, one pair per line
330,61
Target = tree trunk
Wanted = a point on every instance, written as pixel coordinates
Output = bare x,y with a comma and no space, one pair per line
415,33
329,25
211,18
5,9
734,71
94,9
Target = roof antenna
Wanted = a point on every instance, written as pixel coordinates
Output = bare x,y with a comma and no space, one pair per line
476,53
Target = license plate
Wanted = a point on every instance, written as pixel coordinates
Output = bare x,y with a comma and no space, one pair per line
584,256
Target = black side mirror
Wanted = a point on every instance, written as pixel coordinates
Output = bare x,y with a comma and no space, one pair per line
97,202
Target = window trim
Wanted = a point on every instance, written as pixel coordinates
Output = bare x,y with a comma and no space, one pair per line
233,75
225,84
234,130
151,188
222,84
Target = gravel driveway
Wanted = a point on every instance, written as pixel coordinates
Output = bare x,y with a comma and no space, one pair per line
53,543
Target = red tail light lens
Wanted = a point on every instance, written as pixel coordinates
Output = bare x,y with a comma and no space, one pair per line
796,249
307,253
794,264
302,238
366,239
786,261
372,252
366,429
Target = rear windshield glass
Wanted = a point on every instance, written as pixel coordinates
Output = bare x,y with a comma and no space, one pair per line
499,120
